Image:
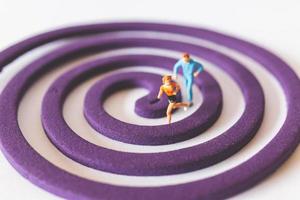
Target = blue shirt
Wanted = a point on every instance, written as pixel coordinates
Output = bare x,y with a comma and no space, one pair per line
188,68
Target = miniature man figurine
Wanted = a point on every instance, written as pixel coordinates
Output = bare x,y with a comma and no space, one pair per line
190,69
170,88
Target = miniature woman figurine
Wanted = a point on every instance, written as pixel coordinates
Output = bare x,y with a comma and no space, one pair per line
170,88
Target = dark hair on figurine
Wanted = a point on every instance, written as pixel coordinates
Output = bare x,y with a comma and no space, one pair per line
185,55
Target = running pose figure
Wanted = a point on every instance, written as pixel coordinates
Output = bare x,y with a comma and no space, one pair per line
170,88
190,69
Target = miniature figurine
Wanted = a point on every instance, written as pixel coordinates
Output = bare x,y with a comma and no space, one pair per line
171,88
190,69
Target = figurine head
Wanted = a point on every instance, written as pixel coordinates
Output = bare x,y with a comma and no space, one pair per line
167,79
186,57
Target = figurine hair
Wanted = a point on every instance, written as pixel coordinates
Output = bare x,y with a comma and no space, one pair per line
186,55
166,77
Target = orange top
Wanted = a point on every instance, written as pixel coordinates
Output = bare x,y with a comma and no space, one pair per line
169,89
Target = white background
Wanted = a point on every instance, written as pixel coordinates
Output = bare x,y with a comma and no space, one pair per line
273,24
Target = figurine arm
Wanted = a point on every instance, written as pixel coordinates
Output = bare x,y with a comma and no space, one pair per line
160,93
176,68
200,68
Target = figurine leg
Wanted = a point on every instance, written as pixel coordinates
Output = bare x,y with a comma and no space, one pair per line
169,111
181,104
189,85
